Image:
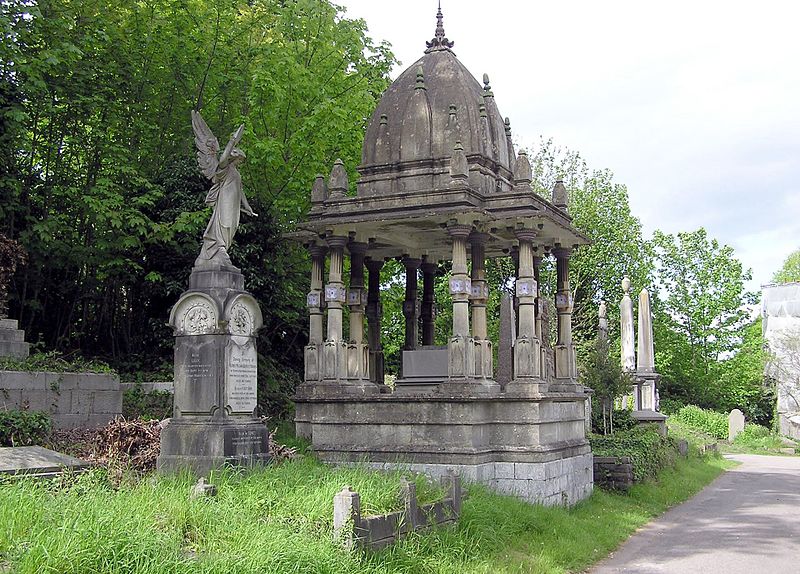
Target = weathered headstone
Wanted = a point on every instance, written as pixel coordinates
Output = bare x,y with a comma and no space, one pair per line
735,424
215,324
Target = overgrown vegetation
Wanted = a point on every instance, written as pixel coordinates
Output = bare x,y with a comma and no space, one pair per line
279,520
710,422
150,405
55,362
23,428
650,452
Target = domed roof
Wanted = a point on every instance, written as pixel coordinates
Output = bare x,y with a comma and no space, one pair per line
432,105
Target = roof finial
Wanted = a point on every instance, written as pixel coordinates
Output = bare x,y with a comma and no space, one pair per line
440,41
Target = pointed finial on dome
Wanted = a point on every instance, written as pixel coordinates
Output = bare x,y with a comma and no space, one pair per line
420,79
319,191
338,182
560,196
523,174
459,169
440,41
487,88
507,124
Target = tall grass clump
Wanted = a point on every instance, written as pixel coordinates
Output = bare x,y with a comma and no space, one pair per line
709,422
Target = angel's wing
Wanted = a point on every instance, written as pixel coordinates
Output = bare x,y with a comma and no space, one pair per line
207,146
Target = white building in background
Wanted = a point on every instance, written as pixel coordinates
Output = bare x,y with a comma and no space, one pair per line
780,312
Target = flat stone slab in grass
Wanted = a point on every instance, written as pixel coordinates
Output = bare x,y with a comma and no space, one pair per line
38,461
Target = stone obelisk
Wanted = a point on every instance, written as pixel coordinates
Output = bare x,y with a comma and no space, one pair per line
627,344
645,362
215,322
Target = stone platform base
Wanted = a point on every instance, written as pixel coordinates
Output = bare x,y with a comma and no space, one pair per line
534,448
558,482
200,446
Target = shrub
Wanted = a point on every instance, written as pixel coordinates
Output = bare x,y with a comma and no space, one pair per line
648,450
22,428
155,405
670,406
752,432
709,422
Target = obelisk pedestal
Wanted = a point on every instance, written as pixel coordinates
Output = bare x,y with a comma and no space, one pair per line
215,420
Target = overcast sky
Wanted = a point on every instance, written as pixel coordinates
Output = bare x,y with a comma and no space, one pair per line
695,106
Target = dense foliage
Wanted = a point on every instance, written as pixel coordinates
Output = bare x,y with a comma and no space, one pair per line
23,428
707,421
99,182
648,450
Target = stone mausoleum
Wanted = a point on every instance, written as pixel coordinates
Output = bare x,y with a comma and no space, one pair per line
440,181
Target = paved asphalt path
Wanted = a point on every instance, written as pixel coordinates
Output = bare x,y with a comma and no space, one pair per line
747,521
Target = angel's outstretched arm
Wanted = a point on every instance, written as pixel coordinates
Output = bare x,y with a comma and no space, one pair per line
236,137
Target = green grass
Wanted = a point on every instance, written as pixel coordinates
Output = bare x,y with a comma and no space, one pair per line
279,520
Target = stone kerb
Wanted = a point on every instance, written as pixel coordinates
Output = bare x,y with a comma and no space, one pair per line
71,399
375,532
735,424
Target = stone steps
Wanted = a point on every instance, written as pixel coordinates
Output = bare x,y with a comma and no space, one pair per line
12,335
12,340
15,349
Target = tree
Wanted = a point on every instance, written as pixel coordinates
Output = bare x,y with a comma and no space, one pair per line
790,271
702,312
603,374
108,201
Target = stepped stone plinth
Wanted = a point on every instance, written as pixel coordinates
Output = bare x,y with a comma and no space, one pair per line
12,340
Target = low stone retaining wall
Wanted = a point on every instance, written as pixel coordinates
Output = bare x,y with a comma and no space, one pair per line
376,532
71,399
613,472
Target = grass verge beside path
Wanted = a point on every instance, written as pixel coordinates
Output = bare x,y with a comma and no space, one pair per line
279,520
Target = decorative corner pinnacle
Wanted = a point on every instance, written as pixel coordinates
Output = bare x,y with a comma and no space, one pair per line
439,41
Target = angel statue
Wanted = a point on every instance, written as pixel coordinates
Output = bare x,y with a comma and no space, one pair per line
225,195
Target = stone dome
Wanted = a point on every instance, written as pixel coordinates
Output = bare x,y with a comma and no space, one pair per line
432,105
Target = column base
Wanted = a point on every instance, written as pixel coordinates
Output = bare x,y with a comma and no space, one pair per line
470,387
565,362
526,387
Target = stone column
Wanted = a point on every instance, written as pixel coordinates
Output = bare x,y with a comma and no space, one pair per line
410,304
478,296
357,352
374,267
515,260
564,351
334,362
314,301
315,332
428,302
461,354
540,335
527,349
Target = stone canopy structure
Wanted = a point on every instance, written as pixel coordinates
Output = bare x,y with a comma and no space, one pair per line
440,181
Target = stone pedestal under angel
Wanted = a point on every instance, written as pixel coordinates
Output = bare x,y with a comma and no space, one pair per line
226,194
